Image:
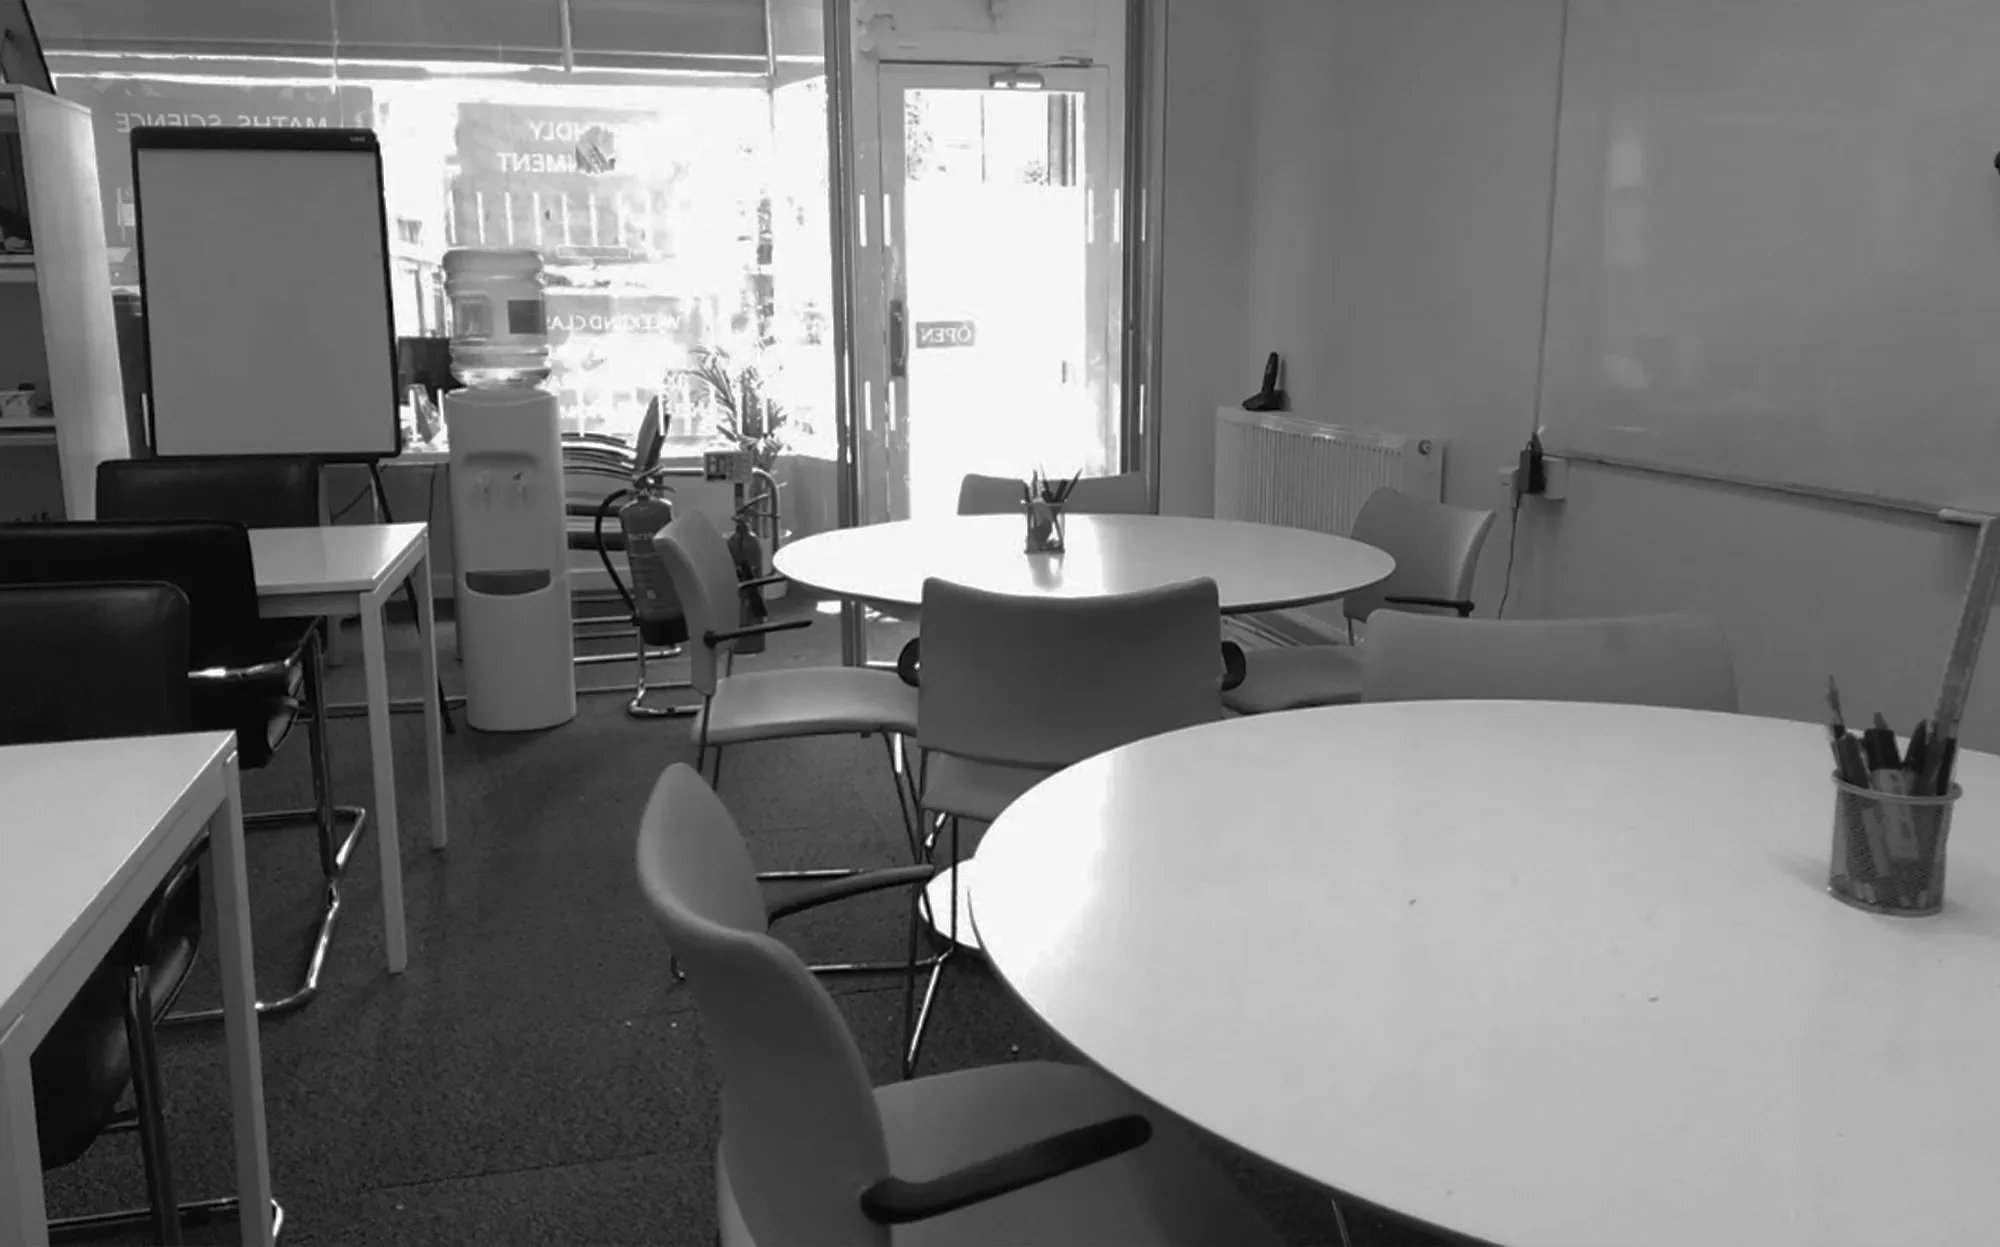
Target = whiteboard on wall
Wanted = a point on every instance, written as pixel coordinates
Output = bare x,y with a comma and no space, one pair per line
264,271
1776,244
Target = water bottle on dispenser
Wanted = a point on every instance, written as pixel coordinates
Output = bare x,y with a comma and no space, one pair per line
511,547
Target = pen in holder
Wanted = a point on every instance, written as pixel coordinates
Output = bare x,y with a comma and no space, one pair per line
1042,503
1045,527
1889,849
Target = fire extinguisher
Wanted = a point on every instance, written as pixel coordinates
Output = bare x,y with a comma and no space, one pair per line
655,608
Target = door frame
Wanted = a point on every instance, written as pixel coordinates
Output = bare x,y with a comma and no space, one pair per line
883,407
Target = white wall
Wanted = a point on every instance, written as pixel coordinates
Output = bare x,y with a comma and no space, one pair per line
1394,160
1204,229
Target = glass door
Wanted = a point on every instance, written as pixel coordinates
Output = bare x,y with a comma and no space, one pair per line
1000,281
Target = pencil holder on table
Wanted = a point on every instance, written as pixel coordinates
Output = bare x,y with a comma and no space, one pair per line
1889,850
1045,527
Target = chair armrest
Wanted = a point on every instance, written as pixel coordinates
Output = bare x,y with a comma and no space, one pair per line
895,1201
762,629
853,885
761,581
254,673
1234,666
1463,608
909,661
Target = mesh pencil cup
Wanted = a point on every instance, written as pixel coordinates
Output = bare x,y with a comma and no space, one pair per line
1888,850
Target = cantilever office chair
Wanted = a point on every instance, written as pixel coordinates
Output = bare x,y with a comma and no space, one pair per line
598,473
1025,1153
81,662
1679,660
1012,689
1124,494
248,675
781,703
1436,547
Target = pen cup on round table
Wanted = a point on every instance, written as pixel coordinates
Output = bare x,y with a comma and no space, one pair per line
1888,849
1045,527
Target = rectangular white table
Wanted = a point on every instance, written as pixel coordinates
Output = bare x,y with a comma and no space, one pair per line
354,570
88,831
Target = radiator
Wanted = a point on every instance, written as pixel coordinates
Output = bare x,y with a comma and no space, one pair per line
1280,469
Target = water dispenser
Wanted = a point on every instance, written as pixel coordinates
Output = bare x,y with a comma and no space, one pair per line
507,498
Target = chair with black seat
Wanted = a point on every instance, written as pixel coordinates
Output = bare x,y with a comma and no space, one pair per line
254,677
82,662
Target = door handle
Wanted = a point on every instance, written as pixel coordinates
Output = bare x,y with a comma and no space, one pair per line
899,342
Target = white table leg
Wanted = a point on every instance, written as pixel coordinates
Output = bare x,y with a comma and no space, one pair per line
23,1215
375,661
433,719
229,911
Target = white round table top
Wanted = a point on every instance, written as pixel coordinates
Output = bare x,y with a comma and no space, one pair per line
1538,973
1255,566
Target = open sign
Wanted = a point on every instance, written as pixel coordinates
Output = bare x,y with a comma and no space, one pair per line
934,334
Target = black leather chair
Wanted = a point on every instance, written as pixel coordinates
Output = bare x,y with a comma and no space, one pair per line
275,492
85,661
248,675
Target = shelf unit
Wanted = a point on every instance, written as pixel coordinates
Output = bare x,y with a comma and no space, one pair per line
67,297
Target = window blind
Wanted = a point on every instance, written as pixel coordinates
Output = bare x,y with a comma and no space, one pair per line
730,33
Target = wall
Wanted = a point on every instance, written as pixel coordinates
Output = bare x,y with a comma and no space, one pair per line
1395,159
1204,232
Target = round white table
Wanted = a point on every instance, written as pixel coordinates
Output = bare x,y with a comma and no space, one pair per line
1256,567
1539,973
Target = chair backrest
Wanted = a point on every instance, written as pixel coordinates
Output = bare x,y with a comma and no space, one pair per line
704,578
1044,682
801,1135
652,437
1435,545
1644,660
1124,494
274,492
208,561
989,495
93,660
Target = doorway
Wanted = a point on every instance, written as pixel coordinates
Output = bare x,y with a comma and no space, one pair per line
999,277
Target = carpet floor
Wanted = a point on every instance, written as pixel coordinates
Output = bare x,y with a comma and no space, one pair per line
535,1076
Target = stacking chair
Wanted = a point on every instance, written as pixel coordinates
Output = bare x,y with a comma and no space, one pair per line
775,704
1436,547
1023,1153
248,675
100,660
1012,689
1677,660
1124,494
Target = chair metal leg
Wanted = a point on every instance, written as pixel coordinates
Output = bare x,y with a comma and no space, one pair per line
151,1112
914,1049
637,707
197,1214
334,854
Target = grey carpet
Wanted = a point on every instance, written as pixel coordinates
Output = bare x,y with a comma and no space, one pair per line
534,1077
